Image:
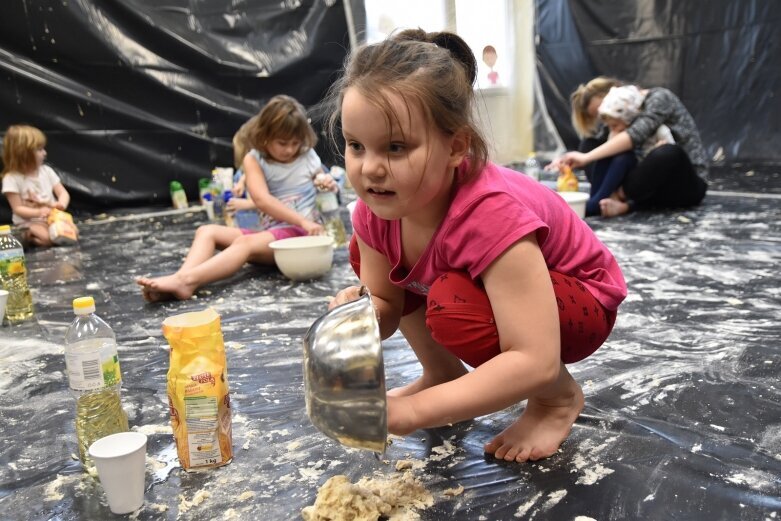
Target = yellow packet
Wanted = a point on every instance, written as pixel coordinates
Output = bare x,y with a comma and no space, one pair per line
198,394
61,227
567,181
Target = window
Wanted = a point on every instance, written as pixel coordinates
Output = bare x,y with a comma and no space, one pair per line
484,25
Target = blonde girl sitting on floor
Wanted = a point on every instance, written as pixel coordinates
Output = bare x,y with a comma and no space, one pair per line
280,171
32,188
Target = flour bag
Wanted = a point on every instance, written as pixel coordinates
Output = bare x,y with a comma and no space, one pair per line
198,394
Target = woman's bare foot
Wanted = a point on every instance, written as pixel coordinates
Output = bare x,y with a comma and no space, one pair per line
610,207
165,288
542,427
425,381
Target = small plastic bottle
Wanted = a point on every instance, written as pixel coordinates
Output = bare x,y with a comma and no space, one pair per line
207,201
13,278
204,187
227,215
328,206
532,167
178,195
94,377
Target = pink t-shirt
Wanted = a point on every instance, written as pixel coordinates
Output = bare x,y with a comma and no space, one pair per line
485,218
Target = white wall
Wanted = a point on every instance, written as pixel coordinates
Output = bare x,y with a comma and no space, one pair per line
507,113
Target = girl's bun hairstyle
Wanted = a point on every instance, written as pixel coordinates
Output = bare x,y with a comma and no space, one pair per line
452,42
436,71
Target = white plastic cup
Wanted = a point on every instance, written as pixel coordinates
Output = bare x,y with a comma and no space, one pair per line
3,302
121,462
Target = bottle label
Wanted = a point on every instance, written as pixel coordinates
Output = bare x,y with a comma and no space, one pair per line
179,198
14,253
11,261
93,365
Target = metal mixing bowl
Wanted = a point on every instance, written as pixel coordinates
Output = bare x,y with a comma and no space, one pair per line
344,375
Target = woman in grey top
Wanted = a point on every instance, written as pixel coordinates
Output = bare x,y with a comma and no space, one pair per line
669,176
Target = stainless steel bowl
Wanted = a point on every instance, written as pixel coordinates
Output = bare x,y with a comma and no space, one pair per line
344,376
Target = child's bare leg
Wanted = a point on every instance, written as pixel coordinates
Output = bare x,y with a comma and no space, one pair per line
182,284
208,238
38,235
544,425
439,365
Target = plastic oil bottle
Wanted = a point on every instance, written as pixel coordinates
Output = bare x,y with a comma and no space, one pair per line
13,277
93,376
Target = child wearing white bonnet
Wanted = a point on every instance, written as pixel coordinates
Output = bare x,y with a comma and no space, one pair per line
620,106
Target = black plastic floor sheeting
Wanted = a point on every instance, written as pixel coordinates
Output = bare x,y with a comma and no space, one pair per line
683,406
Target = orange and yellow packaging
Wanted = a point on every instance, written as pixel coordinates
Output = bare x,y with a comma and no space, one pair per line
61,227
198,394
567,181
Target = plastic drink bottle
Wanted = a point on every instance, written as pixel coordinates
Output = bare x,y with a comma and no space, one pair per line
207,200
204,187
13,277
328,206
532,167
94,377
178,196
227,215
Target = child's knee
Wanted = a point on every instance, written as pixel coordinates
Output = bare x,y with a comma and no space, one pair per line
459,316
206,230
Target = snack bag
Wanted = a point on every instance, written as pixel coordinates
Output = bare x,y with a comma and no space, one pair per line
567,182
198,394
61,227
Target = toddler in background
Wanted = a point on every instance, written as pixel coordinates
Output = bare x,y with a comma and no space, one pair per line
32,188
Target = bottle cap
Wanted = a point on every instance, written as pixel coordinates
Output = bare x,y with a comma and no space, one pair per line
175,185
204,182
5,229
83,305
227,195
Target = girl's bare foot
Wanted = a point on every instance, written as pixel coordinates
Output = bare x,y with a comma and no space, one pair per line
610,207
165,288
542,427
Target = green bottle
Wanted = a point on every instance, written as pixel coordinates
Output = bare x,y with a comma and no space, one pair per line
178,196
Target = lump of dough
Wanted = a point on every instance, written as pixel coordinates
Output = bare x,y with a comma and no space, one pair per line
396,498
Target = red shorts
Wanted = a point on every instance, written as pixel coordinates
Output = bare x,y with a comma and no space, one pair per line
459,316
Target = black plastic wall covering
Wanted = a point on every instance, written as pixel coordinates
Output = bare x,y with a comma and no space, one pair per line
721,57
133,94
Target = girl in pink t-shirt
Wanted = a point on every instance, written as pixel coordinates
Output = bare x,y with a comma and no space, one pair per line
471,261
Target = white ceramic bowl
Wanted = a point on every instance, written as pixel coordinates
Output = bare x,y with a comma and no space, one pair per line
576,201
304,258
